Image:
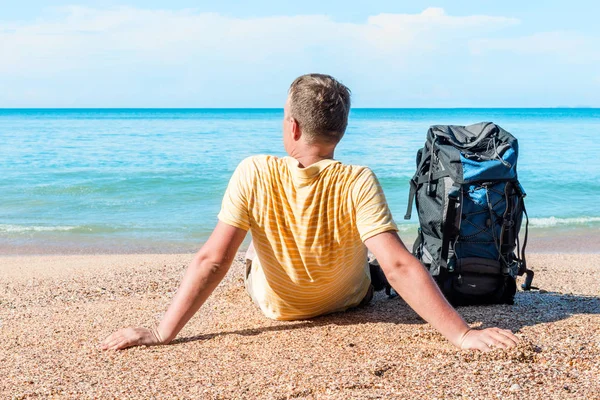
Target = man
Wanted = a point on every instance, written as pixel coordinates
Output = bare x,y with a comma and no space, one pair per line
312,220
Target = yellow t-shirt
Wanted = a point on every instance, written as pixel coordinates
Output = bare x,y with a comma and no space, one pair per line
308,226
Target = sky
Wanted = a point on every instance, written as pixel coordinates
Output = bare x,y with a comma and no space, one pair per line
245,54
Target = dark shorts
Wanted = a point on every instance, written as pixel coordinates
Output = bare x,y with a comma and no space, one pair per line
368,297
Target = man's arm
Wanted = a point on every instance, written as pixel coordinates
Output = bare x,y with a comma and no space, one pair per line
412,281
204,274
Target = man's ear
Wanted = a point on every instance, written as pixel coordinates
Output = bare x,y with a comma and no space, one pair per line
296,132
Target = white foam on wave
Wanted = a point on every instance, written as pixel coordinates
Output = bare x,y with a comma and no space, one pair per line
553,221
407,227
25,228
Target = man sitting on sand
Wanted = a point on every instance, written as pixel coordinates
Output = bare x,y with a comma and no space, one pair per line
312,220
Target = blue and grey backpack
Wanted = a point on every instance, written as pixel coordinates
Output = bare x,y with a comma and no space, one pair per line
470,207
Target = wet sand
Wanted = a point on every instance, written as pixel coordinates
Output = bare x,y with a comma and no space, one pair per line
55,310
582,239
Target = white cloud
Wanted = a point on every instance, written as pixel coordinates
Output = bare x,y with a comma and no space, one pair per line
135,57
570,47
86,35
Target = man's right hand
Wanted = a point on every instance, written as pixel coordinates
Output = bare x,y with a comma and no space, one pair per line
205,272
488,339
129,337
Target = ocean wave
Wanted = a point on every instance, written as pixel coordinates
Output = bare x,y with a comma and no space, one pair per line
403,227
407,227
554,221
28,228
547,222
85,229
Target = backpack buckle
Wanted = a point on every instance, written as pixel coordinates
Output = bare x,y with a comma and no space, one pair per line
513,269
431,189
452,265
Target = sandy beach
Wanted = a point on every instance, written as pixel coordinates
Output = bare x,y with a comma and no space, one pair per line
55,310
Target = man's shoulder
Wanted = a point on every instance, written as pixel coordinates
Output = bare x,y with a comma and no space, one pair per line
355,171
259,161
358,179
269,164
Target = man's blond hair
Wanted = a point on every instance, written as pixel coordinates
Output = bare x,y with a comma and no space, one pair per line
320,104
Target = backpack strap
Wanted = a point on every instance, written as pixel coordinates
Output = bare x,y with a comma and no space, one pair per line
414,184
411,196
529,273
449,229
525,239
414,181
523,270
430,189
511,263
433,177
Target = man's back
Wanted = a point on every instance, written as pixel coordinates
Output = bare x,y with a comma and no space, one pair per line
308,227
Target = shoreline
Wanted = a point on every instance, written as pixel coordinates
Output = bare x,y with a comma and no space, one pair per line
542,241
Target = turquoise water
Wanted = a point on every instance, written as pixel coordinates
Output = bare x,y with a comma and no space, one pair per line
153,178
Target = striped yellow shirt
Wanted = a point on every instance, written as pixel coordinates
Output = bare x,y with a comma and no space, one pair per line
308,226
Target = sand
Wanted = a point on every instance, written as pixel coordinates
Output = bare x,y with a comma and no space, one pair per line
55,310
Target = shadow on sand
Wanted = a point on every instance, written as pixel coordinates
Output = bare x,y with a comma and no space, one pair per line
538,307
530,308
380,310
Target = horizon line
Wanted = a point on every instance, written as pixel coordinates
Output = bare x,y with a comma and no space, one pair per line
281,108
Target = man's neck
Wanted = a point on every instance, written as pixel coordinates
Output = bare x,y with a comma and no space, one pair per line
310,155
307,161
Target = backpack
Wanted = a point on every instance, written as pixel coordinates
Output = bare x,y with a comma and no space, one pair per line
470,207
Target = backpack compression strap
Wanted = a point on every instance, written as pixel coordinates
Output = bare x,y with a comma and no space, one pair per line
425,157
411,196
529,273
414,184
449,228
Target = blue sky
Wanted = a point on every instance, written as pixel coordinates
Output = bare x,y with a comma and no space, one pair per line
245,54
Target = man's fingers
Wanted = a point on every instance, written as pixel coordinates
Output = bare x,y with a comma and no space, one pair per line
505,332
110,338
489,339
482,346
119,344
508,334
112,343
122,339
123,344
498,338
114,336
496,344
113,339
505,337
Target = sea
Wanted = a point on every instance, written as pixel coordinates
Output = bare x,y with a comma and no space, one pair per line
152,180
